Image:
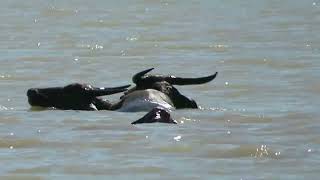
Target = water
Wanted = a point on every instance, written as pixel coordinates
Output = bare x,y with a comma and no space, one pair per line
259,118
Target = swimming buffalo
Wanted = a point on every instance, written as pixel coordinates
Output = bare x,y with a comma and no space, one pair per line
155,94
73,97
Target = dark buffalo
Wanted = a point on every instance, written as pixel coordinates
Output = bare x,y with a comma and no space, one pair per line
155,94
73,97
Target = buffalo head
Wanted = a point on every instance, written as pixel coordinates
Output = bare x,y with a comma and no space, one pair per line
165,85
74,96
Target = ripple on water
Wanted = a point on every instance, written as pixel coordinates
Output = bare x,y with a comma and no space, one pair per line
24,177
176,148
100,24
239,151
202,47
58,12
3,108
33,170
316,140
242,118
9,120
110,170
20,143
105,127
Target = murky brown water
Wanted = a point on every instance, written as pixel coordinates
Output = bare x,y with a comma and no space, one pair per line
259,118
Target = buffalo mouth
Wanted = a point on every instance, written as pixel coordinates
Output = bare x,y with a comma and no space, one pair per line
73,96
43,96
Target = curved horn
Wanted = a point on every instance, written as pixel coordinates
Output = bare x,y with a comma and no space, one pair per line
108,91
190,81
138,76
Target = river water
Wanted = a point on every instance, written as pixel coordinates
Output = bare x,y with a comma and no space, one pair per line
259,119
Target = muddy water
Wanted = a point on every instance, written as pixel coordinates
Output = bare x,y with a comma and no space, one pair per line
258,120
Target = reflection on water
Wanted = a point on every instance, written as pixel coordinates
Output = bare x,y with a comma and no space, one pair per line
258,119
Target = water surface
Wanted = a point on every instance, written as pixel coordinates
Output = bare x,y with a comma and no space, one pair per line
258,120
